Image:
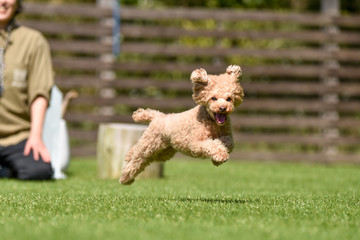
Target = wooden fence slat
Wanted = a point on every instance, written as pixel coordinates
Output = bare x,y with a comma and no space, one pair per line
272,104
77,117
262,70
314,54
136,102
298,88
240,121
84,151
278,138
347,55
131,13
346,38
89,135
61,28
139,31
277,156
348,106
348,123
88,63
77,81
146,82
348,140
348,72
347,158
346,21
303,71
290,157
68,10
79,46
173,50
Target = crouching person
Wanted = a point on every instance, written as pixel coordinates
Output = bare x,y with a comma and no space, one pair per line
26,78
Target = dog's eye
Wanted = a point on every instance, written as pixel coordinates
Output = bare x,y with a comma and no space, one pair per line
214,98
228,99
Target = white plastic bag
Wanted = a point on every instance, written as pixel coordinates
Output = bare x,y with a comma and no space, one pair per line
55,135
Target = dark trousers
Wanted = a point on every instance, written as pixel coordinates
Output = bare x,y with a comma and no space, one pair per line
15,165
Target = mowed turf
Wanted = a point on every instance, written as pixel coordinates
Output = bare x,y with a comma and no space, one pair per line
195,200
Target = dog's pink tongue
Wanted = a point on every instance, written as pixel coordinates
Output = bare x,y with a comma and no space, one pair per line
220,118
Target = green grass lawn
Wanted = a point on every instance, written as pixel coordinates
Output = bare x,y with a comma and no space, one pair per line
195,200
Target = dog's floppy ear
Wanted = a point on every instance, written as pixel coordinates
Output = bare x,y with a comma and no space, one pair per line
199,76
234,71
200,79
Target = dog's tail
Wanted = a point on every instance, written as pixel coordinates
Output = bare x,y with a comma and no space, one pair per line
146,115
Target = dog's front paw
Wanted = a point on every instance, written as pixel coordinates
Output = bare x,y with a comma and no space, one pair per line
216,164
220,158
126,180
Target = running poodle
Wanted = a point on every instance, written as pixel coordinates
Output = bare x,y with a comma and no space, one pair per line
203,131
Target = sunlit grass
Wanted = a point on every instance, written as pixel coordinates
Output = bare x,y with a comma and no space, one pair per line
195,200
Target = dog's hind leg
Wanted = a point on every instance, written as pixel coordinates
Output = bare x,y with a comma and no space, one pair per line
129,154
141,155
135,163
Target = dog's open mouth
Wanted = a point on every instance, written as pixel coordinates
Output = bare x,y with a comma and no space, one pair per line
220,118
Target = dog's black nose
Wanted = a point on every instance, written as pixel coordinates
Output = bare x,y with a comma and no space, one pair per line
222,109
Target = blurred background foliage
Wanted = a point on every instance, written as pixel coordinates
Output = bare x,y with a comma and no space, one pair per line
350,6
207,42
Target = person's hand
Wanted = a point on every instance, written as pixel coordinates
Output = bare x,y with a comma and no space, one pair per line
35,141
38,148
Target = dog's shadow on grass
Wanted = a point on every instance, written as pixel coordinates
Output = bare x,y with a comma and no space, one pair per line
208,200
